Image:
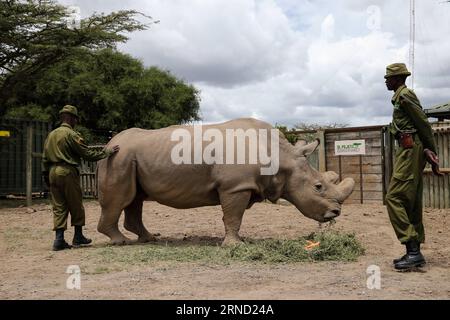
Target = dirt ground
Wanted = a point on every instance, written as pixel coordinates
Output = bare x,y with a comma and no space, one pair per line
30,270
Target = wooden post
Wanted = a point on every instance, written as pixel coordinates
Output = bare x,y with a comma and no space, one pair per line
29,165
322,150
361,182
383,165
340,161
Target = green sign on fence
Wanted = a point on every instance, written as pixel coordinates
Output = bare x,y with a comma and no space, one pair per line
349,147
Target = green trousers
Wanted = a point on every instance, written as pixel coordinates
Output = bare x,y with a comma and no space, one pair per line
404,196
66,196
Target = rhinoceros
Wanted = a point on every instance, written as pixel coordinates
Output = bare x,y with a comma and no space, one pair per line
144,169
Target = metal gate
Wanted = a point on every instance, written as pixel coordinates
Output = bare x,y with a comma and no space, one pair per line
13,155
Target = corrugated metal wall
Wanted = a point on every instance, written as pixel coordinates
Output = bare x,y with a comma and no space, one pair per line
13,155
436,189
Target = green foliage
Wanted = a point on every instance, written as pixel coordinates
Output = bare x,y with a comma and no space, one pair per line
306,131
334,246
34,36
290,135
112,92
30,111
310,129
303,126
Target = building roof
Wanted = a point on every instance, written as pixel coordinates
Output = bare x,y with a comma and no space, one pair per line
439,111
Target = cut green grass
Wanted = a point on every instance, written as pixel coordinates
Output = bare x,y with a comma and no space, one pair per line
334,246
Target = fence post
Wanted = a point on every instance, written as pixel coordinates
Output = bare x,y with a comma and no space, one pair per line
29,165
322,155
388,153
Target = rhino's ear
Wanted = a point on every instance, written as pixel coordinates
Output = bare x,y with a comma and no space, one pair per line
306,150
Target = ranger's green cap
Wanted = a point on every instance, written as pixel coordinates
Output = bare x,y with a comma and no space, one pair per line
396,69
69,109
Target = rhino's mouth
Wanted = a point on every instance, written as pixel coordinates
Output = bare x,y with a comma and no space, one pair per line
331,214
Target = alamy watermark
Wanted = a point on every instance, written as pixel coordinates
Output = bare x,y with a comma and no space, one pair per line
74,280
73,21
374,278
228,148
373,22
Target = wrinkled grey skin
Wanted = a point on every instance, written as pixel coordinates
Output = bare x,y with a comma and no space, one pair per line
143,170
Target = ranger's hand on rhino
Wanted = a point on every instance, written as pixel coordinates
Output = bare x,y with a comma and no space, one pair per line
113,150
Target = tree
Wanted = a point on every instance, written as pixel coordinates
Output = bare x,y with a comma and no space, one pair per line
306,131
34,35
290,135
112,91
304,126
309,129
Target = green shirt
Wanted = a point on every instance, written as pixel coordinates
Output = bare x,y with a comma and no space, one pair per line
67,146
408,115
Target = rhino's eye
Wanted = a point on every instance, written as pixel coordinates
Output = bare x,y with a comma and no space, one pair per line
318,186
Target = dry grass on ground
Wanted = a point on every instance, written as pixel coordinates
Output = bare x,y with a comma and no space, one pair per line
187,262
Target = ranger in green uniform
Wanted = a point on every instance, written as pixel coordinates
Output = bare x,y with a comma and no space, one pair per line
63,150
413,132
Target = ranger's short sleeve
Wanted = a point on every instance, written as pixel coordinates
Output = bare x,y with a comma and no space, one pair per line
79,146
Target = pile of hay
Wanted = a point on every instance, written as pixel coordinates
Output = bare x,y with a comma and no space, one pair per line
330,246
334,246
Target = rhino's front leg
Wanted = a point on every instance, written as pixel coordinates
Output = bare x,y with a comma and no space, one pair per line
233,206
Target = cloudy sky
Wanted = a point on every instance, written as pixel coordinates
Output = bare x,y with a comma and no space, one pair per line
292,61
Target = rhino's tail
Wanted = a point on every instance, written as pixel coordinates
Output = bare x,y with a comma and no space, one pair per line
98,192
96,180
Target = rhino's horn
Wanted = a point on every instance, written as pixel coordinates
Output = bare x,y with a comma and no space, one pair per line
345,188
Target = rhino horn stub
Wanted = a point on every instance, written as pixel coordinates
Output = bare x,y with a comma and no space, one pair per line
345,189
304,150
300,143
331,176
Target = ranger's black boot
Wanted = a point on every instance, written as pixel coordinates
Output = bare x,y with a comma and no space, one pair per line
401,258
413,257
60,243
79,239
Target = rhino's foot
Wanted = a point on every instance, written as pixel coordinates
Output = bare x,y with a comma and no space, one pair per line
120,240
148,237
231,241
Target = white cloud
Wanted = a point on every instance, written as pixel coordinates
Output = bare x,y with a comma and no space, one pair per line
224,43
291,61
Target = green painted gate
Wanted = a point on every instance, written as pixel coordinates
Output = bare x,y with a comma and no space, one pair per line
13,155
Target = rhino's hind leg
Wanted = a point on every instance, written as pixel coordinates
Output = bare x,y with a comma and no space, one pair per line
233,206
133,220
